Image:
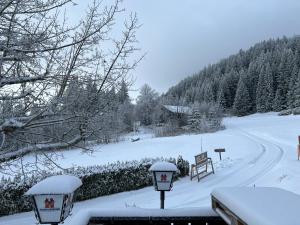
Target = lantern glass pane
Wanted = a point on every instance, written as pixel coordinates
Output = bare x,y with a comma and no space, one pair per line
49,207
68,205
163,180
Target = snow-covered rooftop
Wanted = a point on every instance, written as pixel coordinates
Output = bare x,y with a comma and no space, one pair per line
261,205
178,109
163,166
61,184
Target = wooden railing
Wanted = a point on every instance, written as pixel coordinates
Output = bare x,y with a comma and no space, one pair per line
140,216
203,220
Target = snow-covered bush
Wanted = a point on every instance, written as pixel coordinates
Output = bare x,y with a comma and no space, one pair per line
97,181
205,118
183,166
285,112
296,111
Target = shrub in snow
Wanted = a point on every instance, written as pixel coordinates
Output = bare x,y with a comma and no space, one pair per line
183,166
285,112
96,181
296,111
205,118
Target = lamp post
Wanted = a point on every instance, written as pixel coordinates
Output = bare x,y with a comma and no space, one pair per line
53,198
163,174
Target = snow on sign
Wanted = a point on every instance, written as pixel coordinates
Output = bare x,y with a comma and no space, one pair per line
53,198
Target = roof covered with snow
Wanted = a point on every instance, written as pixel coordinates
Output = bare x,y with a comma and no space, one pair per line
261,205
178,109
163,166
61,184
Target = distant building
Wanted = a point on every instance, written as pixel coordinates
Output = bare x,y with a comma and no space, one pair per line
178,109
177,115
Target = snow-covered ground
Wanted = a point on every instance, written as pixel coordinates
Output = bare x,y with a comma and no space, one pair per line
260,151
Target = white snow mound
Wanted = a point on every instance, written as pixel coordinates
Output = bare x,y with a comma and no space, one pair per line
163,166
83,216
61,184
261,205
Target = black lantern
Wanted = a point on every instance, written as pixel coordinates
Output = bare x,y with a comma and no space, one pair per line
163,174
53,198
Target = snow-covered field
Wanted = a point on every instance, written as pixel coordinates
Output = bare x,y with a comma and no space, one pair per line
260,151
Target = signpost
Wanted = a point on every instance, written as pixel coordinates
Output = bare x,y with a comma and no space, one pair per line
53,198
162,174
220,150
298,147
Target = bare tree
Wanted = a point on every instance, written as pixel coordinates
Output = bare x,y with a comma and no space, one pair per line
55,78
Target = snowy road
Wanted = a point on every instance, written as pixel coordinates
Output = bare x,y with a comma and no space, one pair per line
260,151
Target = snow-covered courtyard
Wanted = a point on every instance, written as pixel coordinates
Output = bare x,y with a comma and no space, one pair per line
261,150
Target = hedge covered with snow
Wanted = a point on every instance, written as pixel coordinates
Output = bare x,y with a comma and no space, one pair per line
97,181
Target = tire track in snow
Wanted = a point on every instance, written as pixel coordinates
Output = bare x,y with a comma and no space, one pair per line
244,166
256,161
207,183
270,164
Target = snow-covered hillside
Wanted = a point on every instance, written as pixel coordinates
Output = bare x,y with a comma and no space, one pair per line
260,151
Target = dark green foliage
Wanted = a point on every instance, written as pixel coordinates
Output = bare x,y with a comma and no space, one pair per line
292,86
97,181
297,92
265,90
183,166
242,102
205,117
269,71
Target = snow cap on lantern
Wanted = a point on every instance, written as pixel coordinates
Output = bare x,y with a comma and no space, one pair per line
53,198
163,173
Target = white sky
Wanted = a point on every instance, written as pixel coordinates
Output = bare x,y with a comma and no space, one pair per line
182,36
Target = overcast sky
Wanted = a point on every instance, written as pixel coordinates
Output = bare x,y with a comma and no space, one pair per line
183,36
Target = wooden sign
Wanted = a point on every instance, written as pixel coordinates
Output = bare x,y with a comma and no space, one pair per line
220,150
201,157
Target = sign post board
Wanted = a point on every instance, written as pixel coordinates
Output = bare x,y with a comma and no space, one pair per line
163,173
220,150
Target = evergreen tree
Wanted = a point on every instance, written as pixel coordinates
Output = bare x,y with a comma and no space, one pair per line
195,119
282,80
265,93
221,100
146,102
123,95
292,86
208,93
251,80
214,118
242,102
232,80
297,92
125,109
